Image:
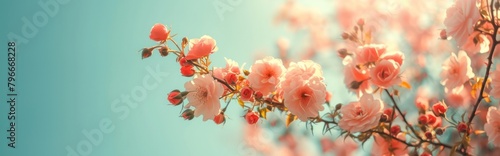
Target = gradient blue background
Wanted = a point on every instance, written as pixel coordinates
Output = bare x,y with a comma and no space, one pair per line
86,57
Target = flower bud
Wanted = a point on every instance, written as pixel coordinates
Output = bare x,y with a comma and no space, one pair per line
220,118
147,52
428,135
342,53
252,117
422,119
183,62
443,34
431,119
462,127
345,36
175,97
425,154
439,131
439,109
384,118
338,106
159,33
388,112
258,95
231,78
188,114
361,22
246,94
395,130
163,51
187,71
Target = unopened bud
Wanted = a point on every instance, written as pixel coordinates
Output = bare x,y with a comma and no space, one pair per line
147,52
428,135
163,51
188,114
342,52
384,118
345,36
338,106
439,131
361,22
462,127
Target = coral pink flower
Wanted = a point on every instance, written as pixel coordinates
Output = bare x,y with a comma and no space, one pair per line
439,108
385,74
389,147
265,75
367,54
204,96
456,71
159,32
202,47
252,117
460,19
246,94
495,82
492,126
356,79
361,116
303,89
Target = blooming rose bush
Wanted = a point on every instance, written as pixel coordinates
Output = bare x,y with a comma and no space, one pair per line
464,105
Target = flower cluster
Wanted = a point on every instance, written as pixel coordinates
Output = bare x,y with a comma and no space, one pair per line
298,90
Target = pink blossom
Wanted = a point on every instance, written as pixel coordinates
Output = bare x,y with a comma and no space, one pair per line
495,82
356,79
385,74
204,96
460,19
389,147
482,45
361,116
422,103
202,47
456,70
367,54
397,56
492,126
265,75
303,89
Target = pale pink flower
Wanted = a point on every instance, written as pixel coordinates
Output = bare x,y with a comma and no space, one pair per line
389,147
356,79
204,93
265,75
397,56
201,47
482,45
492,126
495,82
458,98
361,115
385,74
460,19
231,67
303,89
422,103
367,54
456,70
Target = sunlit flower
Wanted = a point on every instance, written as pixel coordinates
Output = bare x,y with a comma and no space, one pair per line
456,70
385,74
202,47
460,19
265,75
361,115
204,96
